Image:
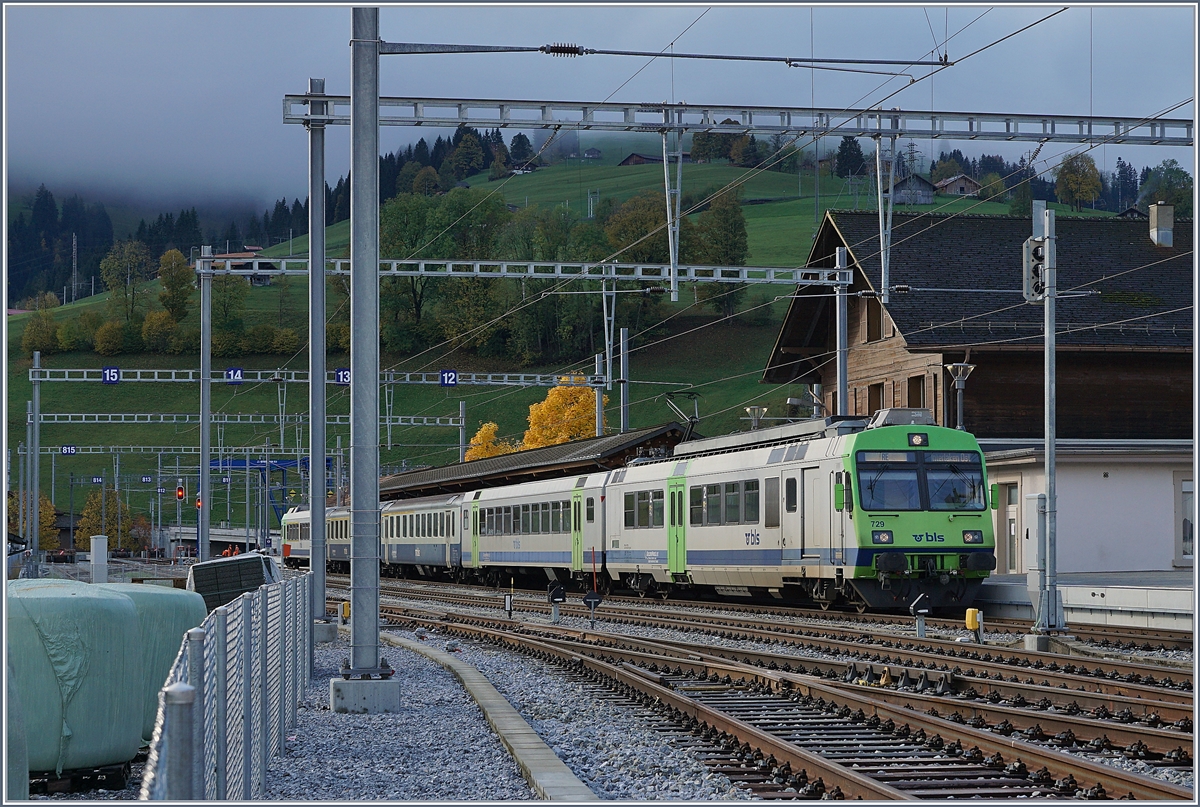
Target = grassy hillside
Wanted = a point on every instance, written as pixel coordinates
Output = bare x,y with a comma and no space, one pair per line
727,380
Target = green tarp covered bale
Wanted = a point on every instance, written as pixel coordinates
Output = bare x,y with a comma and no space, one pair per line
77,661
164,615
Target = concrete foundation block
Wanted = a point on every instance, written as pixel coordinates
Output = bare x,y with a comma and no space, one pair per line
372,696
324,632
1037,643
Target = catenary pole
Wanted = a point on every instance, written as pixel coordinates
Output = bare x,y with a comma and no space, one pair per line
624,380
204,268
35,498
1054,615
599,397
316,354
462,431
843,337
364,341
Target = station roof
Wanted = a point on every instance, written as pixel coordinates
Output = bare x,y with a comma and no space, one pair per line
552,462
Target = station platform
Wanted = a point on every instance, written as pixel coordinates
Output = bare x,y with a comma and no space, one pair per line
1148,599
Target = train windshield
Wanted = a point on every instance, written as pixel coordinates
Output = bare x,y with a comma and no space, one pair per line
920,480
887,480
955,480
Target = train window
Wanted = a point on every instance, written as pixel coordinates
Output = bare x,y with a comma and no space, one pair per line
524,527
451,521
475,522
630,511
545,517
789,495
888,481
566,511
591,510
712,502
555,516
466,521
733,502
508,520
956,483
656,508
643,508
696,509
750,511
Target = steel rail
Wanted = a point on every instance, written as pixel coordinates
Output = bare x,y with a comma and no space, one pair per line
654,685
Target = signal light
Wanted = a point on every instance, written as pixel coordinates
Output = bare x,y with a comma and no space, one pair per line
1033,269
179,493
197,502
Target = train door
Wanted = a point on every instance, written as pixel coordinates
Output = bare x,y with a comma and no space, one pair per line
793,517
676,525
817,513
577,530
475,535
460,522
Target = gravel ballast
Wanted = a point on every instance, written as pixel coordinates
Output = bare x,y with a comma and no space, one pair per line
439,747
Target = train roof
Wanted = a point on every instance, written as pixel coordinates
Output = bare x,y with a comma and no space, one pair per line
575,458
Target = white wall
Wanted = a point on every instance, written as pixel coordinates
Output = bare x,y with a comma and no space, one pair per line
1122,522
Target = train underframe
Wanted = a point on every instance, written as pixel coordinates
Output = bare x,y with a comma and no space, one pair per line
885,592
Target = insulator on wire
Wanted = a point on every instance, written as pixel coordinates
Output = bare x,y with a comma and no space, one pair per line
562,49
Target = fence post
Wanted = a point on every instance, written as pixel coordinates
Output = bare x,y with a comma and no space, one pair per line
284,652
298,648
221,623
179,700
264,712
247,699
195,675
308,627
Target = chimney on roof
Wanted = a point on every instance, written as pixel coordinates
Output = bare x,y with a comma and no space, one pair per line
1162,221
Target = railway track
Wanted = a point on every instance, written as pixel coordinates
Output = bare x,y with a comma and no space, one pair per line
1118,638
791,735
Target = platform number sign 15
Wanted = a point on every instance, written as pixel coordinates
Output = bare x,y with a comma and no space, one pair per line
341,376
233,375
448,378
68,450
110,375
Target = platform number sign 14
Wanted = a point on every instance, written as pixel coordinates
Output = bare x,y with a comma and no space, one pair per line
233,375
448,378
110,375
341,376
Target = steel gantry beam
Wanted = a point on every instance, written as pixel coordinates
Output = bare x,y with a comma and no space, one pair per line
544,270
759,120
245,419
114,375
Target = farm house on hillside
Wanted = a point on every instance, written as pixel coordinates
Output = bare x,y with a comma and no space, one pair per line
913,189
959,185
650,159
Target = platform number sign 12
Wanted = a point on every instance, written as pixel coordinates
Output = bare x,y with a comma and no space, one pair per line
449,378
233,375
110,375
68,450
341,376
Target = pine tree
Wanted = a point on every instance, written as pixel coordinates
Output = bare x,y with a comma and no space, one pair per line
521,149
850,159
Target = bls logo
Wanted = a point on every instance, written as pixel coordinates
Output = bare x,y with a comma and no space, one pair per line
929,538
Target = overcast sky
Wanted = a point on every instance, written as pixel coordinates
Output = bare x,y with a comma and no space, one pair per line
185,102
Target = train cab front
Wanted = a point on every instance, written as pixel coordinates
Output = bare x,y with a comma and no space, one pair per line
923,525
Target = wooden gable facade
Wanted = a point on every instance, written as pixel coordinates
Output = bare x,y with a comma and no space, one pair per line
1124,368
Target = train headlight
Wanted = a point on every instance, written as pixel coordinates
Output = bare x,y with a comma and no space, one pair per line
918,440
881,536
972,536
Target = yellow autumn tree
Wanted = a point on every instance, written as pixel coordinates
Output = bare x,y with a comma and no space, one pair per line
92,521
486,444
47,531
568,413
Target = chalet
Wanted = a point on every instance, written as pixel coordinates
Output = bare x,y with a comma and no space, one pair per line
913,189
237,260
591,154
959,185
650,159
1132,213
1124,369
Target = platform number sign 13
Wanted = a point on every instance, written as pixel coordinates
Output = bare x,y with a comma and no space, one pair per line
341,376
448,378
233,375
110,375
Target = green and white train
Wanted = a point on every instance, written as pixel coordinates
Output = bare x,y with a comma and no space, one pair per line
872,513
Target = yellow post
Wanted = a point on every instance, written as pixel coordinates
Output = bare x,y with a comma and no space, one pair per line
972,619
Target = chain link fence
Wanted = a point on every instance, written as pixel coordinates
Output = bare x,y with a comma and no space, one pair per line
231,696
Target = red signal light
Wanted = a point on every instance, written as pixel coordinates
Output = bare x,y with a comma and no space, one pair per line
179,493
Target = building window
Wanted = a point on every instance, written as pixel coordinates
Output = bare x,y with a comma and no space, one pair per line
874,320
1185,519
874,398
916,392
